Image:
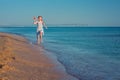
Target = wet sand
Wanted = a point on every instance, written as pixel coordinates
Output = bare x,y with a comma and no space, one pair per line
20,60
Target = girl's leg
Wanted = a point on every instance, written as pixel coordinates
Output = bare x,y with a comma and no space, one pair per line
38,37
41,33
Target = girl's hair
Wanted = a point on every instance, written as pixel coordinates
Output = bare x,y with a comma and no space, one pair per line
39,16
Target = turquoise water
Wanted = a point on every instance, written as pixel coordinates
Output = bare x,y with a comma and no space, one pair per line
88,53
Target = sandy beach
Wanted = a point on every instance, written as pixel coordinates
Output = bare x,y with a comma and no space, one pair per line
20,60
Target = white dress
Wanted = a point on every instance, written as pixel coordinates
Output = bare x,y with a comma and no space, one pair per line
39,26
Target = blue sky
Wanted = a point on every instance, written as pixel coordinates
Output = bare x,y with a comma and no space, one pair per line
91,12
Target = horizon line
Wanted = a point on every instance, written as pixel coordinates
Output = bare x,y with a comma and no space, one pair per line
62,25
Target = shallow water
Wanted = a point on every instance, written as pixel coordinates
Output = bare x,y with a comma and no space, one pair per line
88,53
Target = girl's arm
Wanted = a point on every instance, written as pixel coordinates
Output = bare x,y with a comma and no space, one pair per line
35,21
44,25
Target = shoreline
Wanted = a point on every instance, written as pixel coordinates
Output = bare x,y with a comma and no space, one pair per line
29,62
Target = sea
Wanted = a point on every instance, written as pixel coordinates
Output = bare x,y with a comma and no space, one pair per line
87,53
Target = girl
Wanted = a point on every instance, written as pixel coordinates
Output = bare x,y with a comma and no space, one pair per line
40,23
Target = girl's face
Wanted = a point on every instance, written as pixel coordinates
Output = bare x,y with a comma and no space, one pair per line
40,18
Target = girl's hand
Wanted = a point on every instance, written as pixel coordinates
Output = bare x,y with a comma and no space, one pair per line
34,18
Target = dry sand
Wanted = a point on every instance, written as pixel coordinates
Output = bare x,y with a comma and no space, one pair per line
20,60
